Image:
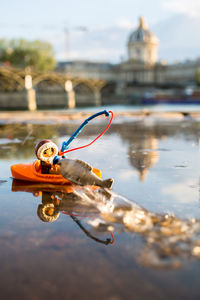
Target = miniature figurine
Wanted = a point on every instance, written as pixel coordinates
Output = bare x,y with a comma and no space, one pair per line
53,167
45,151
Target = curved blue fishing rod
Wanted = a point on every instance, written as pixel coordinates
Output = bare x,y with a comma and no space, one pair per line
65,145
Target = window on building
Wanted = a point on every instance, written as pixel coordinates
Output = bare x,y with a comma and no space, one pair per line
138,51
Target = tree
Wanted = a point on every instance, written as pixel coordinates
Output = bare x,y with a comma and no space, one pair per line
197,76
21,53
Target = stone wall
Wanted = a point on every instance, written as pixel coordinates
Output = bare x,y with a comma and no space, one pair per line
18,100
51,100
13,101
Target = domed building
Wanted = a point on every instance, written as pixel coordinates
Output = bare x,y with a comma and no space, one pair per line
138,79
143,45
142,66
143,154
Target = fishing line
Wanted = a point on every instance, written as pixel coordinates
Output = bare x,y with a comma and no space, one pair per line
81,147
73,216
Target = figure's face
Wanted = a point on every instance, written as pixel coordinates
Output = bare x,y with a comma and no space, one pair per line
50,152
47,151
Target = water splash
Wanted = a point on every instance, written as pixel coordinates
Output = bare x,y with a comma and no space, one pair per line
167,239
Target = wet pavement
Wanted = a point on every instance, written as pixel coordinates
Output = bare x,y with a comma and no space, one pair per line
140,240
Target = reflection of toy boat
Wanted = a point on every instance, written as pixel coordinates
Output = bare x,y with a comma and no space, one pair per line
32,172
38,187
51,207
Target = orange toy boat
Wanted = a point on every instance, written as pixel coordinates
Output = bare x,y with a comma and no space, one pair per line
32,172
47,153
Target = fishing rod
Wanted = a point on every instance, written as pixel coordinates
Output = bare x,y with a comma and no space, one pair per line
65,145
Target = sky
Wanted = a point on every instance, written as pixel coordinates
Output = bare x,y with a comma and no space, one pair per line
98,30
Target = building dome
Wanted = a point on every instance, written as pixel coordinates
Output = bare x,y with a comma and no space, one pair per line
142,34
142,44
142,159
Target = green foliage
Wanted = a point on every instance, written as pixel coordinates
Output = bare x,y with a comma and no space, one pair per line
21,53
197,76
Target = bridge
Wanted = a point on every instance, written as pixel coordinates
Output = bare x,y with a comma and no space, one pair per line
23,88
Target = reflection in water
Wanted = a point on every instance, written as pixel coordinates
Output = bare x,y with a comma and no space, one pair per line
167,240
20,141
142,139
67,200
57,259
105,242
2,181
143,154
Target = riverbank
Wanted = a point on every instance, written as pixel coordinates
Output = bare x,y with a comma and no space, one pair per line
65,116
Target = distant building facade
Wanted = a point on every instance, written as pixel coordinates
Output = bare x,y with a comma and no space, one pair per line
138,80
143,45
141,75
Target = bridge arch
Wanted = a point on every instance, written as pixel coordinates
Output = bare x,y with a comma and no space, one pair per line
50,88
50,91
10,80
48,77
107,92
84,93
78,81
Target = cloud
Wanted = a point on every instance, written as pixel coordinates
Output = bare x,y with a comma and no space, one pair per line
107,44
101,54
127,174
181,192
125,23
188,7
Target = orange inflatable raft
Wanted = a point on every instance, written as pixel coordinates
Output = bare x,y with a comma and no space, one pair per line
32,172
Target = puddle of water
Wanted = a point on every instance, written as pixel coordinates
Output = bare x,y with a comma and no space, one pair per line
86,243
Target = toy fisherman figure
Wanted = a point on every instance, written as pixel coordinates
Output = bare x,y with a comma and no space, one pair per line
45,151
